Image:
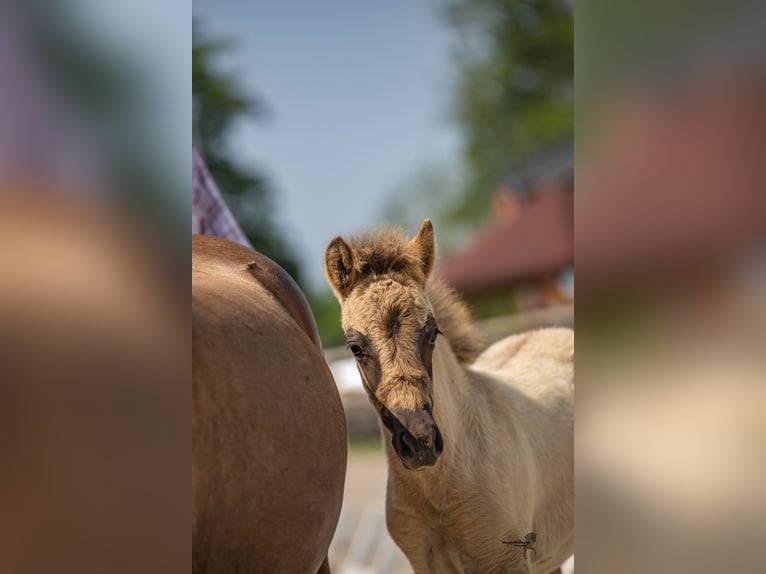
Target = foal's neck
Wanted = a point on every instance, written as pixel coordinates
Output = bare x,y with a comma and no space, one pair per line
459,346
453,397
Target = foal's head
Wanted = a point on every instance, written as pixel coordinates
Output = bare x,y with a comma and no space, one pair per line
390,327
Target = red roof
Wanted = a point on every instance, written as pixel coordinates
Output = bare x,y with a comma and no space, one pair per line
534,241
678,187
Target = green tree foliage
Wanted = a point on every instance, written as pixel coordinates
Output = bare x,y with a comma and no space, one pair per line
326,311
219,103
515,92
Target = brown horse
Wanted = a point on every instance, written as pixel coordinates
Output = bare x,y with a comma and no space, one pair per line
479,442
268,430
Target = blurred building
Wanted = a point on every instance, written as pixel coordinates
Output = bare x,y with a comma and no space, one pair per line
675,191
522,258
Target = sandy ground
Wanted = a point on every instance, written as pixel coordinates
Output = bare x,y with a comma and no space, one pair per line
366,476
362,544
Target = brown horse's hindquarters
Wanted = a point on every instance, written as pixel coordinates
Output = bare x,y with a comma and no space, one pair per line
269,441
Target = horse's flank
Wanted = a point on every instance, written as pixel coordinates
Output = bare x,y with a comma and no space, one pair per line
268,431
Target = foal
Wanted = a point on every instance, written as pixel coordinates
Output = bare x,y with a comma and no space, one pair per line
479,444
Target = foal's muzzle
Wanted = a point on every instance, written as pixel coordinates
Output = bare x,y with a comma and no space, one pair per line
420,446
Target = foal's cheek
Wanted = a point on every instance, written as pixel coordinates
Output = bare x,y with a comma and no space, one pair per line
369,369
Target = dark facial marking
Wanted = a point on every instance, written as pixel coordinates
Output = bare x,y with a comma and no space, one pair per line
369,369
426,342
368,362
370,373
393,323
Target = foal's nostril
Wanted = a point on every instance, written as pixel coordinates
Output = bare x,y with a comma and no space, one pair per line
410,442
406,444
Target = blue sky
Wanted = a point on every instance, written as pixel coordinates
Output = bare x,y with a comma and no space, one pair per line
359,96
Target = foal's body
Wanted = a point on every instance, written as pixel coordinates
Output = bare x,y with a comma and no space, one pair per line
507,464
479,442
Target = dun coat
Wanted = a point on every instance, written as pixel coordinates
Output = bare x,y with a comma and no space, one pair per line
479,442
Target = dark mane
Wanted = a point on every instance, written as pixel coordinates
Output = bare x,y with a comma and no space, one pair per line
385,252
454,320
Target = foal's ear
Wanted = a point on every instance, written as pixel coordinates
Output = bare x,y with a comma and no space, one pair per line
339,267
423,246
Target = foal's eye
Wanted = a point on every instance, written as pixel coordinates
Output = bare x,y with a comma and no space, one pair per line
434,336
356,350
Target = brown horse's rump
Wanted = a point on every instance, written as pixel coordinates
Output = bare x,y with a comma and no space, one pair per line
268,430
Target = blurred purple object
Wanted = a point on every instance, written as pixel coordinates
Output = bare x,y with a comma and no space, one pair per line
37,138
210,214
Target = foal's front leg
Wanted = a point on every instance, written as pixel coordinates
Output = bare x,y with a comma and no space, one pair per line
434,560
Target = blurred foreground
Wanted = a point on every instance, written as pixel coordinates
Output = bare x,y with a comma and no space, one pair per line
94,330
671,276
94,399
